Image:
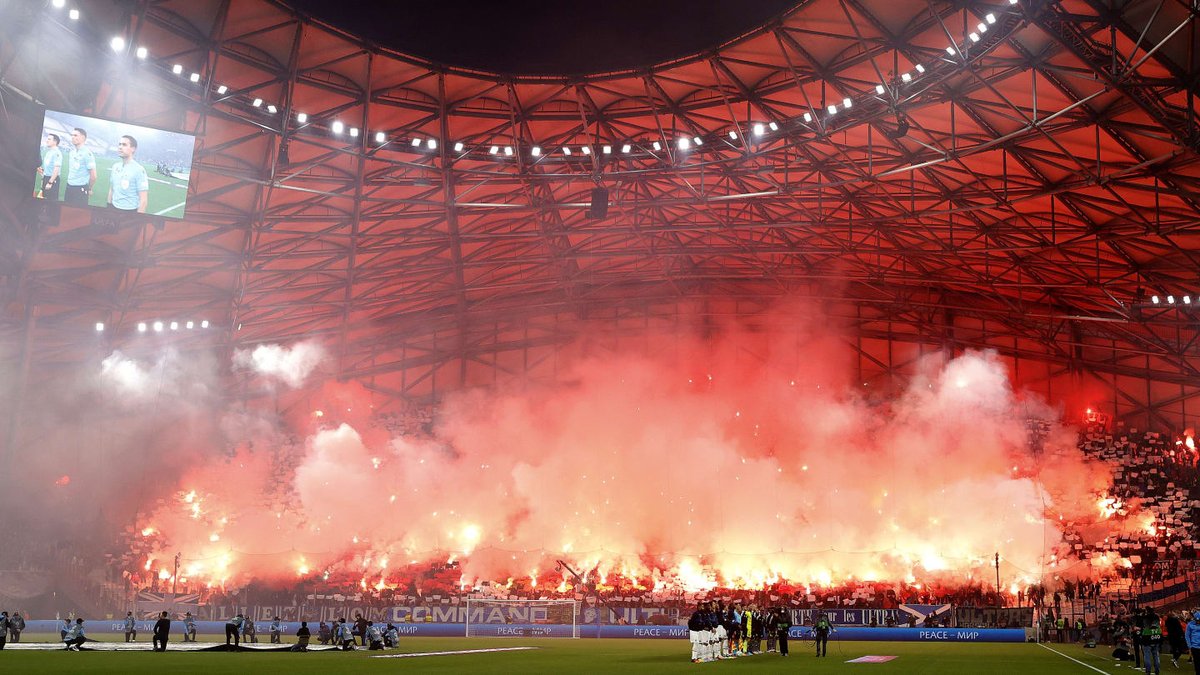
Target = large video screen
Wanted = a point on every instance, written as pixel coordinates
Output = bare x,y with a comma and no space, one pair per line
107,164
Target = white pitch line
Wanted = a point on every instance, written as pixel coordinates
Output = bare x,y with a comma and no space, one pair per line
171,208
1073,659
461,651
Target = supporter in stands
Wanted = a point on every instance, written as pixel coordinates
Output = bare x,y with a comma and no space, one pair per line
303,635
162,632
130,628
75,636
1192,636
1175,640
233,629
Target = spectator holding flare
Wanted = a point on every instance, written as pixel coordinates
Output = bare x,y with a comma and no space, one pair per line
81,170
128,184
50,169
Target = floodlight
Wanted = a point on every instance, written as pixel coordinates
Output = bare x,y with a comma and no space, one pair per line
458,147
990,18
982,28
337,127
74,14
272,109
177,69
807,117
566,150
657,146
142,327
99,324
142,53
1170,299
117,43
158,326
174,325
773,126
59,4
951,50
907,77
832,110
732,135
847,103
920,68
587,149
697,140
626,148
758,129
974,37
431,144
416,142
257,103
607,149
1187,299
204,323
535,151
1154,299
380,137
195,77
879,89
354,132
190,325
222,89
684,144
508,151
301,117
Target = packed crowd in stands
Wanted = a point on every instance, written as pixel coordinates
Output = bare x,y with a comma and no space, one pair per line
1151,471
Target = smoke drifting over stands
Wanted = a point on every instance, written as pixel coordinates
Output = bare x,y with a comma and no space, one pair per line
696,467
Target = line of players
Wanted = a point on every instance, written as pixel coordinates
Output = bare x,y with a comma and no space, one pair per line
373,636
718,632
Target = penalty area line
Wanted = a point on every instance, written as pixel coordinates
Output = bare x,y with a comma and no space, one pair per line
460,651
1085,665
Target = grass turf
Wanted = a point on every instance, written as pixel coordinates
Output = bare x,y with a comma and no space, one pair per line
586,656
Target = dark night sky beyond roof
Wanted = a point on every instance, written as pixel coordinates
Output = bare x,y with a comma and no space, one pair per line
536,37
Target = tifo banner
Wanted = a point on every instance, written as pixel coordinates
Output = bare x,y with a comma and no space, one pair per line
993,617
849,634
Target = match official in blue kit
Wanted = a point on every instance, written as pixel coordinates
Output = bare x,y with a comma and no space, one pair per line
81,170
128,186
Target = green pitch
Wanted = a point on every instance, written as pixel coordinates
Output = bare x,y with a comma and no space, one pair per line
588,656
166,195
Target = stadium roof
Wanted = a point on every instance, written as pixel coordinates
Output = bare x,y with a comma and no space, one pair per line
966,174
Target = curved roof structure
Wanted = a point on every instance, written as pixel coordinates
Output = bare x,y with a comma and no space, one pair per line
1016,176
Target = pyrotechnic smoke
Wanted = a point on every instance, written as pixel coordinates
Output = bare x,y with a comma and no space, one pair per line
290,365
712,460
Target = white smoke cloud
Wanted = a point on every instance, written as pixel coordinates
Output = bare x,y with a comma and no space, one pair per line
290,365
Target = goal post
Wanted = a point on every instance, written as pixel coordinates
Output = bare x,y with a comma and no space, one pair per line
522,618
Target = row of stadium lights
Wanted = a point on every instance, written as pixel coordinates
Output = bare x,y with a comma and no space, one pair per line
757,129
1170,300
159,326
73,13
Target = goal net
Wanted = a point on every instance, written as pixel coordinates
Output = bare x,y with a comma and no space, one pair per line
522,618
